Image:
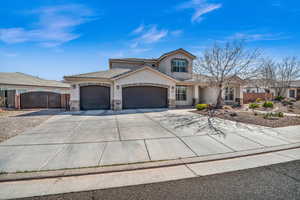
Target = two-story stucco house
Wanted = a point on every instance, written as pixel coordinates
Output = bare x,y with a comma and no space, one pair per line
165,82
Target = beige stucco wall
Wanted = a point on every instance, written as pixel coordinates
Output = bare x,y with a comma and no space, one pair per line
208,95
143,77
165,66
75,87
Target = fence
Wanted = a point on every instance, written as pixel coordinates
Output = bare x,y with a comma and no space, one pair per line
251,97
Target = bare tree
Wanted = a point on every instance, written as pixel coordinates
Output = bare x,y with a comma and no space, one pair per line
278,75
286,71
267,73
223,64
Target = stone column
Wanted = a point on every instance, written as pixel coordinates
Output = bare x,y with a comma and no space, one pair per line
117,97
75,97
172,96
17,101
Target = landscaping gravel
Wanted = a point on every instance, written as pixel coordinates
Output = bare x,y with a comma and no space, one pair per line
15,122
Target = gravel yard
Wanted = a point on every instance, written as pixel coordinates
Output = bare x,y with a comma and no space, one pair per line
14,122
250,118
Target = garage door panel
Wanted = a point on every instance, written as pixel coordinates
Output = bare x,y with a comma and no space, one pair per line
144,97
94,97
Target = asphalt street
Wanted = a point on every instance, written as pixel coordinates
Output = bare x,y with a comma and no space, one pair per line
280,181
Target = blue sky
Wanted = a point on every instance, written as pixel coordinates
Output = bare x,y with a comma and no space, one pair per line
53,38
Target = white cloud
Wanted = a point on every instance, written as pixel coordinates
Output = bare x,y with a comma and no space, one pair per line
200,7
258,36
55,26
177,33
276,3
153,35
138,29
148,35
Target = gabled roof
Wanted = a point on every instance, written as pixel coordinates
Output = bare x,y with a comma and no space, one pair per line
17,78
107,74
180,50
141,68
151,60
133,59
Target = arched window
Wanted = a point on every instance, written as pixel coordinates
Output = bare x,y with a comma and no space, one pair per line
179,65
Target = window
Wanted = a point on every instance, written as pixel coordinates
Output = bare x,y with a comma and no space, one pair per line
179,65
292,93
229,94
181,93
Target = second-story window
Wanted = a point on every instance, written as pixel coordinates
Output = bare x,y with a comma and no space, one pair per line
179,65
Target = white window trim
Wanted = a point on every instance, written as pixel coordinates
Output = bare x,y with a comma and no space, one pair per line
185,93
295,92
224,94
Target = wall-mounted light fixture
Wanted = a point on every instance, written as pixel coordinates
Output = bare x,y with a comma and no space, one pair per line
118,87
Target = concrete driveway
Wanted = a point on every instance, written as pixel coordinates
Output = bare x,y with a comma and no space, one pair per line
101,138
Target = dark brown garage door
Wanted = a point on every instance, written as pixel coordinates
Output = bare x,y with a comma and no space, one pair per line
144,97
94,97
40,100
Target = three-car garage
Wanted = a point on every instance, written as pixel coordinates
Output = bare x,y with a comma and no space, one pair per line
117,89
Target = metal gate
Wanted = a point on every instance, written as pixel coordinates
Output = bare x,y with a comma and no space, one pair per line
40,100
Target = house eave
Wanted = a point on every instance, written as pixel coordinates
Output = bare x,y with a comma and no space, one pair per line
69,79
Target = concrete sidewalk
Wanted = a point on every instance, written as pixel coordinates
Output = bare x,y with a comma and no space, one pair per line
105,138
21,189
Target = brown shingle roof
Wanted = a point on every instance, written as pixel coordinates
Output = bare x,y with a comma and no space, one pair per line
107,74
145,60
134,59
17,78
175,51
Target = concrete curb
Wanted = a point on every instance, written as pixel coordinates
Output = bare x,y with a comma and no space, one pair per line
138,166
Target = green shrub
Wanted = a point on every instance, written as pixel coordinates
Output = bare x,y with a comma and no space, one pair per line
280,114
268,104
286,102
279,98
258,100
253,105
273,115
201,106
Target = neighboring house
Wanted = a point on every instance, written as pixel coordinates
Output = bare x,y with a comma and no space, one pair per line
18,90
255,86
167,81
293,91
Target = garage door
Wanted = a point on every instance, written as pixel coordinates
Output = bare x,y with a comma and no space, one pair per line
40,100
144,97
94,97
